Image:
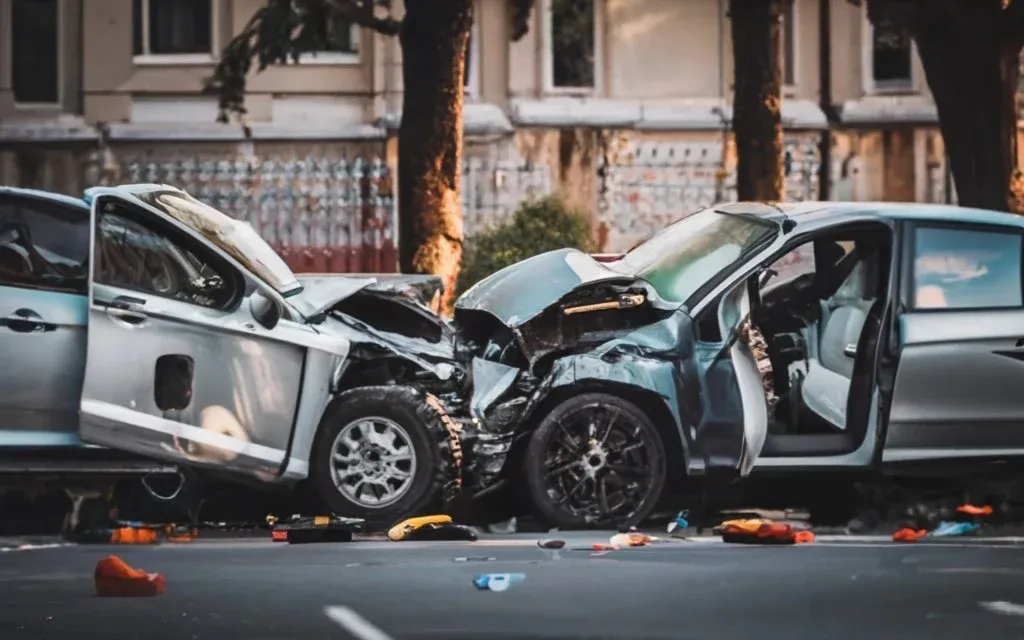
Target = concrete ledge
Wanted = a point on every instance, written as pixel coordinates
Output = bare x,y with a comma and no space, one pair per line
886,110
478,119
61,128
700,114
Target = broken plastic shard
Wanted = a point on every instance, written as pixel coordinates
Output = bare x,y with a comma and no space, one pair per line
497,581
680,522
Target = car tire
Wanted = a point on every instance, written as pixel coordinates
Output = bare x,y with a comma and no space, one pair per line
411,423
635,475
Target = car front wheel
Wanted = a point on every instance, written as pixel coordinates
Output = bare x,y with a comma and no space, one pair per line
383,454
595,460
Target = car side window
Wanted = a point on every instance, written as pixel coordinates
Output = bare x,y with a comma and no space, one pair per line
135,256
43,245
961,269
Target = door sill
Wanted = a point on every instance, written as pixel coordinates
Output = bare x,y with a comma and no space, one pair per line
799,446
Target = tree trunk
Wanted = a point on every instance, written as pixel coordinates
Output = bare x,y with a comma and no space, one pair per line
973,76
434,36
757,103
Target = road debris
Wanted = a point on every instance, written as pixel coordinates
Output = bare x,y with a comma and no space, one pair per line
972,510
551,544
402,530
906,534
680,522
306,529
950,529
114,578
497,581
630,539
132,535
473,559
758,531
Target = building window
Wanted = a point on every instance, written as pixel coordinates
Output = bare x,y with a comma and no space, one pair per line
572,44
35,52
471,74
891,56
959,269
789,27
342,46
173,28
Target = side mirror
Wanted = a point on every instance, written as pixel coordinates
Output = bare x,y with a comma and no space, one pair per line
265,311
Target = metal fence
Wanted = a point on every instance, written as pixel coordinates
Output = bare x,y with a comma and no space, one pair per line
321,214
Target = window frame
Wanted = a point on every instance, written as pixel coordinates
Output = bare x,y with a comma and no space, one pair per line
547,53
33,202
336,57
791,27
870,85
147,58
908,291
129,211
471,88
61,31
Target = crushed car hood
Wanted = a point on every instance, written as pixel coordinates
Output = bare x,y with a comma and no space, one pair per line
518,293
318,295
322,291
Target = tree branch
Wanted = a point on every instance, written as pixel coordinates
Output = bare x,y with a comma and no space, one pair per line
280,32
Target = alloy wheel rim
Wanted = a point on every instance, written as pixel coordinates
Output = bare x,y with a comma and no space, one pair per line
373,462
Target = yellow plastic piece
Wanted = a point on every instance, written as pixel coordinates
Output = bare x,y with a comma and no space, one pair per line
402,530
320,521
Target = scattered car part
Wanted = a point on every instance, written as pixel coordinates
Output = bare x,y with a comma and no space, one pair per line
306,529
497,581
114,578
403,529
449,532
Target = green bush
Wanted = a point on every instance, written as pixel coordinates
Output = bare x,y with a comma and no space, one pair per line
536,227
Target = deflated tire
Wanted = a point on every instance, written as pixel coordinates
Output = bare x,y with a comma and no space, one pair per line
385,453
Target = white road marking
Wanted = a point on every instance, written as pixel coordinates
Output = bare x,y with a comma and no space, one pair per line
355,624
1003,607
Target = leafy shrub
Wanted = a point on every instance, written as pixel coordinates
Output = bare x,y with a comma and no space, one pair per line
536,227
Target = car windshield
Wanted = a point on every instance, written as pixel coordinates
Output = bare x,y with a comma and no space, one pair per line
234,237
686,255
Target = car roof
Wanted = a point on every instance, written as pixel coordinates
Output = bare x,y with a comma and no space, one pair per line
813,213
37,194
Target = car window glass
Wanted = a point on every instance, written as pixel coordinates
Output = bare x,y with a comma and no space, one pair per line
133,256
955,269
792,265
43,245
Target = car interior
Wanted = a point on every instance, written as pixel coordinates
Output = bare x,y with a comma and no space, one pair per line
819,306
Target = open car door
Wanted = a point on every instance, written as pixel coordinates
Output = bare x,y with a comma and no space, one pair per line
178,369
734,424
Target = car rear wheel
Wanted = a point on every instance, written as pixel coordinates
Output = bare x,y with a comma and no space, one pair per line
383,454
595,460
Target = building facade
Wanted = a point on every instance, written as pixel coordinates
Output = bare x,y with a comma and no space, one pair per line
623,106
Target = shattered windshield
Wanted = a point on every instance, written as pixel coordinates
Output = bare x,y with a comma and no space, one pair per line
236,238
688,254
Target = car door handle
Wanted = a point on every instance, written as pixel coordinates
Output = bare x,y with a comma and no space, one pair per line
127,309
850,351
27,321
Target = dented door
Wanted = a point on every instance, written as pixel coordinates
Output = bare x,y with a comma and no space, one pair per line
177,369
734,423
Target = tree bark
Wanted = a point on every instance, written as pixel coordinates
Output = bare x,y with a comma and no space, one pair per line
973,78
757,102
434,36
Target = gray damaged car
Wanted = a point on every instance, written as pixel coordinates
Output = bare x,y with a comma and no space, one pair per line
182,338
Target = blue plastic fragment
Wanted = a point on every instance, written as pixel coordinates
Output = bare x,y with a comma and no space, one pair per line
947,529
680,522
497,581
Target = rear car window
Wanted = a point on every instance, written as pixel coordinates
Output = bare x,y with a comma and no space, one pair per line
960,269
43,245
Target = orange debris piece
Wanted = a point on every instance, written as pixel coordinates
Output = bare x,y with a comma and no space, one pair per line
129,535
630,539
973,510
907,534
803,537
114,578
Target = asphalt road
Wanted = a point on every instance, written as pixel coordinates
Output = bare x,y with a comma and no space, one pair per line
404,591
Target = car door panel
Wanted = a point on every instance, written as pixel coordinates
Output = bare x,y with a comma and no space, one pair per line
235,385
43,310
734,406
957,386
